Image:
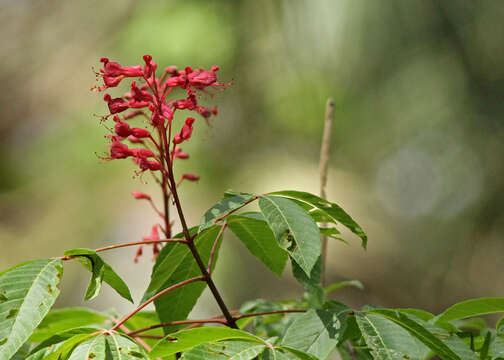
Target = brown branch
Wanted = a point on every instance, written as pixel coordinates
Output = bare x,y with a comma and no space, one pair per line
214,247
158,295
323,166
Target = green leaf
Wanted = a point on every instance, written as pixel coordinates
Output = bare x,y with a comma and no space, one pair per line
486,346
177,264
448,349
297,353
339,285
188,339
316,332
27,294
500,327
389,341
101,271
142,320
225,350
258,238
312,283
108,347
332,233
294,229
223,207
421,314
333,211
61,337
470,308
61,320
63,351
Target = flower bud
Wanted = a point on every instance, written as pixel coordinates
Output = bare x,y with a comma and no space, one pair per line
140,195
190,177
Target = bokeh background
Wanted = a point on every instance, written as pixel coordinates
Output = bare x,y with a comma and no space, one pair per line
418,142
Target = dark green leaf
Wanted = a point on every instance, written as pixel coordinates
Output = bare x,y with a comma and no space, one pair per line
294,229
188,339
64,351
61,320
486,345
298,354
28,292
223,207
175,265
108,347
333,211
61,337
312,284
258,238
100,271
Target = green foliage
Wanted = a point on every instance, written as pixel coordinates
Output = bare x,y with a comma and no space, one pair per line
100,271
174,264
27,294
256,235
295,230
224,207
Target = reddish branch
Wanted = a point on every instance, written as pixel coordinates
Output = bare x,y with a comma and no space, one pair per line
158,295
214,320
214,247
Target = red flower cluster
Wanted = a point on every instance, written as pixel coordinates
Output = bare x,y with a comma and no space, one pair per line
151,98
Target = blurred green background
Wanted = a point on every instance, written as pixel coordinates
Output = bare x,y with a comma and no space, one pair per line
418,143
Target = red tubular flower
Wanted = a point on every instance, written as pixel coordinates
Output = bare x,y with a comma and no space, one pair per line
140,195
133,114
142,153
186,131
150,66
140,133
113,72
119,151
121,128
135,140
190,177
116,105
145,164
179,154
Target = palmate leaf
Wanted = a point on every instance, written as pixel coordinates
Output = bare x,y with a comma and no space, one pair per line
176,263
316,332
334,213
62,337
223,207
100,271
389,341
27,293
294,229
256,235
187,339
108,347
225,350
61,320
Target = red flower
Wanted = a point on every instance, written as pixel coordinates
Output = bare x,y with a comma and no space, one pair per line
190,177
121,128
179,154
113,72
140,133
119,151
116,105
186,131
140,195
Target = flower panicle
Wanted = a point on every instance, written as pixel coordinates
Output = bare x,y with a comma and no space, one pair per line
153,145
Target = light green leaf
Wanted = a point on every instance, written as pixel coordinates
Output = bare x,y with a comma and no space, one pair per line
298,354
100,271
188,339
108,347
421,314
175,265
389,341
61,320
316,332
62,337
472,307
225,350
27,293
294,229
449,348
258,238
339,285
65,349
333,211
223,207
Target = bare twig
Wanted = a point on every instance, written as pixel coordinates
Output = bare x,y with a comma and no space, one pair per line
323,166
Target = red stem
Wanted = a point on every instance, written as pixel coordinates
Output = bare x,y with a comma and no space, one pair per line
214,247
158,295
